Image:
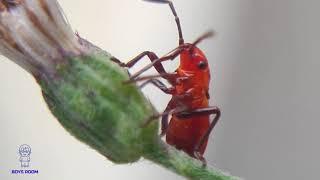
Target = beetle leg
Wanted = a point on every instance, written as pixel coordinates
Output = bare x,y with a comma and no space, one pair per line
162,75
165,117
198,155
156,62
170,56
168,112
115,60
152,56
203,111
159,85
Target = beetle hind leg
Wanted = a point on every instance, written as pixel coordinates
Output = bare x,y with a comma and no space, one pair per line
200,157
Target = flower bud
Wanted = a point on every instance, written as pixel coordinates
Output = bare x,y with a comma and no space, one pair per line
83,88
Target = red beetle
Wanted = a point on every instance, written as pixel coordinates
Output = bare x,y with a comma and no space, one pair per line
189,127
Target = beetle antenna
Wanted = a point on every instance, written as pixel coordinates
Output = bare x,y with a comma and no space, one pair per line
204,36
181,41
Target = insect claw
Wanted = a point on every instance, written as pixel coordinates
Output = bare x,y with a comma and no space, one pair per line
198,156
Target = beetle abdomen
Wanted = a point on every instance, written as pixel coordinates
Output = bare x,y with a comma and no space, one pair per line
185,134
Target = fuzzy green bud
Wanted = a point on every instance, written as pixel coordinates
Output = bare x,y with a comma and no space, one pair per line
91,101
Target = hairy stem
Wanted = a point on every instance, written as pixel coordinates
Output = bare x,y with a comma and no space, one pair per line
182,164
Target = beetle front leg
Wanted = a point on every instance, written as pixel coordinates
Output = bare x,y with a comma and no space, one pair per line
152,56
172,55
157,83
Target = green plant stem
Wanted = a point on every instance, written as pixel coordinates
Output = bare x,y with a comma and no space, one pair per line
182,164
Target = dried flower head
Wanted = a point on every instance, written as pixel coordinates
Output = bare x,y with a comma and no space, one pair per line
35,34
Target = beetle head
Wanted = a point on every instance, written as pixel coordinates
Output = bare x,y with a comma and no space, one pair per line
193,59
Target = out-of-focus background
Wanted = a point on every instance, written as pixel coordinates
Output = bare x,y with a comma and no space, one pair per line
265,69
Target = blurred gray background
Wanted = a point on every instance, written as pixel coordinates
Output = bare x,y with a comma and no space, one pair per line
265,69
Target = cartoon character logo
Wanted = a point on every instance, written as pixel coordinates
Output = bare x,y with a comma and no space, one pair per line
24,151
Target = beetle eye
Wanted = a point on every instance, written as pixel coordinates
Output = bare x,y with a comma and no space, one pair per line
202,65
